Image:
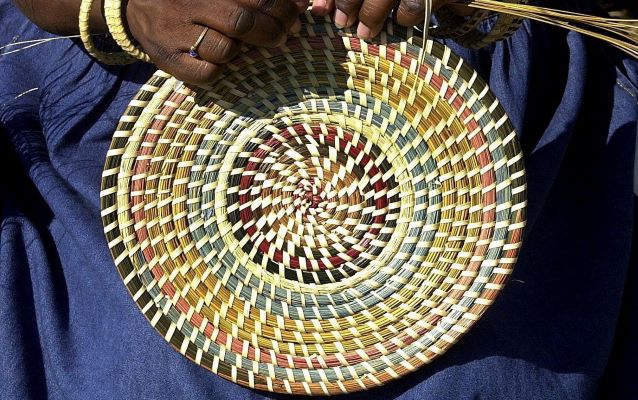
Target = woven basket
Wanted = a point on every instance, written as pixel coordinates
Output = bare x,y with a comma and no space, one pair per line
322,219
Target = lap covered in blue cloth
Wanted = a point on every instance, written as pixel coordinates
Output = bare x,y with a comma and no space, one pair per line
563,328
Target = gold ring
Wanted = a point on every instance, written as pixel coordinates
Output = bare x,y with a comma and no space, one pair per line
193,50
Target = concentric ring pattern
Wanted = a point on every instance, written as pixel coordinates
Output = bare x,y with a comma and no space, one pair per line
328,216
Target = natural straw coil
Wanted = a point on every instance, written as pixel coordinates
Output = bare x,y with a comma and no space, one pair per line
84,26
322,219
113,14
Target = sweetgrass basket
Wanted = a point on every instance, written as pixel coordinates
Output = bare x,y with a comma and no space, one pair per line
326,217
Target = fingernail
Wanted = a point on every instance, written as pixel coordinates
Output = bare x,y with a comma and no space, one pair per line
363,32
341,19
296,27
319,7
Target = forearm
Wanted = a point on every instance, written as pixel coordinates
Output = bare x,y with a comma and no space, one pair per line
61,16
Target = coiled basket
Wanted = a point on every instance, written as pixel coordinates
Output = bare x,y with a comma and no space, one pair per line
326,217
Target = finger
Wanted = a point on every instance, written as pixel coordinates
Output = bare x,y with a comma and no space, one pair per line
323,7
347,12
372,17
302,5
285,11
215,47
410,12
189,69
296,28
244,23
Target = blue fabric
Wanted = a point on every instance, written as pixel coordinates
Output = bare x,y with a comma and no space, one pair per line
564,327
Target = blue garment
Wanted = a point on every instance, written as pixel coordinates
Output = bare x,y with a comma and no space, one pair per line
563,328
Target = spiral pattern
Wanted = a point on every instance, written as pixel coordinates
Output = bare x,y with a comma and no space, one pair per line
326,217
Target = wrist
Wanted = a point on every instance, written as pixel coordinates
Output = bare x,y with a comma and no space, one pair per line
98,21
459,9
462,11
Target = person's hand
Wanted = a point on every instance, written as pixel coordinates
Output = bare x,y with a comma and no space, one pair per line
166,29
372,14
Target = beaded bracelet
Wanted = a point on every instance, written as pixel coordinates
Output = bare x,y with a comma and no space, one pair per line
110,58
113,15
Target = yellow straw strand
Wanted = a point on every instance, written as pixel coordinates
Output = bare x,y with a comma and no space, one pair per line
620,33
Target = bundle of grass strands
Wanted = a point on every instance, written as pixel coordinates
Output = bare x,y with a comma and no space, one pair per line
619,32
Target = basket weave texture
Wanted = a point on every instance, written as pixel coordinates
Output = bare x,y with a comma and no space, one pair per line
326,217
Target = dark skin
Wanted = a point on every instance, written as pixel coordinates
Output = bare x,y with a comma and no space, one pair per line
166,29
371,14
